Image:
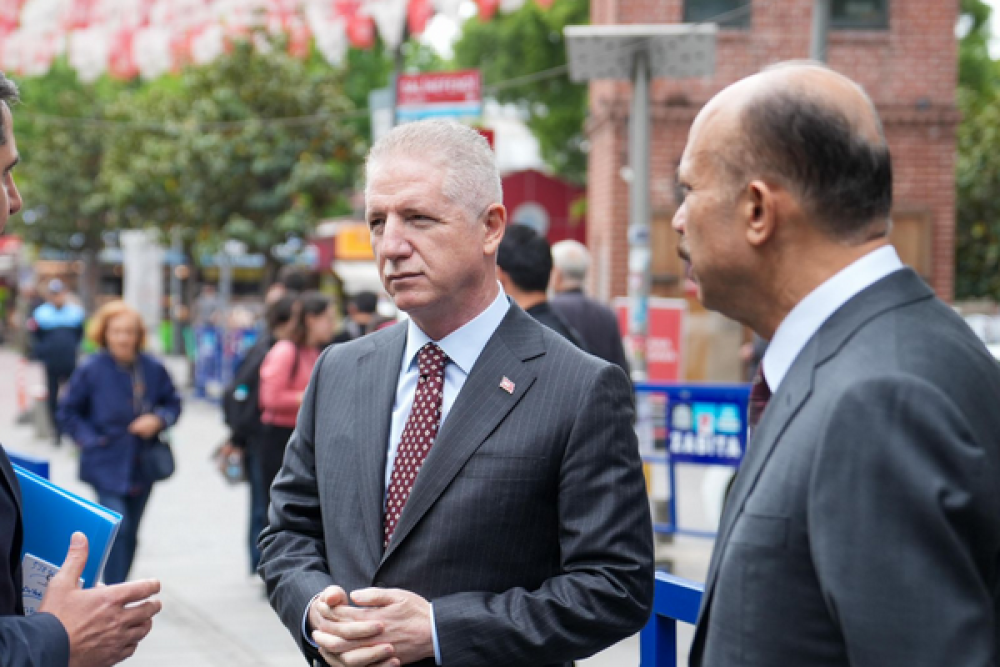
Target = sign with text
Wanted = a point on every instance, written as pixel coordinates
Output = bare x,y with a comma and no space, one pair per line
664,337
454,95
706,424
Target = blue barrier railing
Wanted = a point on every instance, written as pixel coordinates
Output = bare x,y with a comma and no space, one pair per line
675,599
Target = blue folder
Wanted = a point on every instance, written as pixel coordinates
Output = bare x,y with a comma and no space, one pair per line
51,515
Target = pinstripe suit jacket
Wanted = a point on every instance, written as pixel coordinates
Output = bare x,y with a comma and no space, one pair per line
528,527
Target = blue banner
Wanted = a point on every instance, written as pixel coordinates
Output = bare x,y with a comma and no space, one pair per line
706,424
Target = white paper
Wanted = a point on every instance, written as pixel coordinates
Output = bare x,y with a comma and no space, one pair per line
36,574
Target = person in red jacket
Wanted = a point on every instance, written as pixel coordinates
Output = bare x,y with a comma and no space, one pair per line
284,376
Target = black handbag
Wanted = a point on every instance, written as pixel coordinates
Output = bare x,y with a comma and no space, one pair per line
156,460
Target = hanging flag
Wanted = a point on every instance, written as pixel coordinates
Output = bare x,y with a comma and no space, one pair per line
88,52
418,15
487,8
390,17
121,63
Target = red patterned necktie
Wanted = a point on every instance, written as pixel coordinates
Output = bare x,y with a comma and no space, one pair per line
418,434
760,394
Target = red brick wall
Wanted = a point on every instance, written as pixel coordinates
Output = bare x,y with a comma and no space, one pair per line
910,71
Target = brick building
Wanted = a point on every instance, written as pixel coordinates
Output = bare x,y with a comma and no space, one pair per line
904,52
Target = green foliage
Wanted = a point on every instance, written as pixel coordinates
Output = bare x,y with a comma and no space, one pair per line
225,161
524,42
977,174
62,158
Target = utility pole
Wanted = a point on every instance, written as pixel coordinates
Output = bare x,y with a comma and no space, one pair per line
820,30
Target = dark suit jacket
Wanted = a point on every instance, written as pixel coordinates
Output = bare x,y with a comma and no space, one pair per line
528,527
864,526
38,641
596,324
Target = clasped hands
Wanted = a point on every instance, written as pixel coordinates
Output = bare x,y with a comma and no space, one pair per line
385,627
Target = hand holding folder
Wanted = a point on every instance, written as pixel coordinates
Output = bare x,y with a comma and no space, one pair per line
104,624
51,514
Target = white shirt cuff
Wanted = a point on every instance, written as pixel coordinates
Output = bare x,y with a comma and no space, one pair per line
434,638
305,623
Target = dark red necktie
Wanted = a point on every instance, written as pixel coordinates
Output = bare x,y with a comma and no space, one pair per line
418,434
760,394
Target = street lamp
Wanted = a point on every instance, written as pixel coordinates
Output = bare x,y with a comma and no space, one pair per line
639,53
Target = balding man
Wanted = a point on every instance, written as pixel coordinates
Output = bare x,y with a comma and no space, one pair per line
595,322
863,528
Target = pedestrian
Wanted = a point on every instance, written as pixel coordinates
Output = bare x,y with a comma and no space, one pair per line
95,627
117,404
284,375
524,265
242,412
58,331
863,527
596,323
362,317
464,488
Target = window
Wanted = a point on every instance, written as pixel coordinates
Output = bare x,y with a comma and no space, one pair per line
730,13
859,14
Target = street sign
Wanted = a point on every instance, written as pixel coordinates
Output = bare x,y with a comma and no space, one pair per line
664,344
457,95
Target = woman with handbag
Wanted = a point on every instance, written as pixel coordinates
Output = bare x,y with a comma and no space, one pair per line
118,403
284,375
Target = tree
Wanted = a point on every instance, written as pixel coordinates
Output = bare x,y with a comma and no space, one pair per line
524,42
63,156
254,146
977,175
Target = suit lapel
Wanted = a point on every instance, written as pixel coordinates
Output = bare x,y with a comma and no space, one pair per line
378,375
479,408
10,479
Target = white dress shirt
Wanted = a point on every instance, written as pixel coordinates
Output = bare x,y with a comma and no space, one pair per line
805,319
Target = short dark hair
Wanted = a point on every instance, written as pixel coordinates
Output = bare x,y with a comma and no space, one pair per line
8,95
526,257
281,311
309,303
293,278
365,302
843,179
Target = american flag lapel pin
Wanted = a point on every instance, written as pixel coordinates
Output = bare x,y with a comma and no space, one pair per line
507,385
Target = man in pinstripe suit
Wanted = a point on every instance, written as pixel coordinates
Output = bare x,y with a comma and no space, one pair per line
525,537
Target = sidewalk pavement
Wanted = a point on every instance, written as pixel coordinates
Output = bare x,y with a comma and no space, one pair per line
193,538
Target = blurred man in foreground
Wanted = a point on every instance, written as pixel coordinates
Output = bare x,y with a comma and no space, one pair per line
94,627
863,527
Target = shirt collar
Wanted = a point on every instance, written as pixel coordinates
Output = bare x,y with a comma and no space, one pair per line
464,345
805,319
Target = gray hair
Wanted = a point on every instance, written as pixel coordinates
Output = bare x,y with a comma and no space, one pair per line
471,177
8,95
573,261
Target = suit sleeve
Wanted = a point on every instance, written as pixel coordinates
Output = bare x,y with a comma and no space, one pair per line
605,587
35,641
902,523
293,554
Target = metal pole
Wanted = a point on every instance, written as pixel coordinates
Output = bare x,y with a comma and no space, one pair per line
397,69
222,327
820,30
176,252
638,233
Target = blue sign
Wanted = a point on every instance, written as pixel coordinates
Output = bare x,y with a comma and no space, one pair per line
706,424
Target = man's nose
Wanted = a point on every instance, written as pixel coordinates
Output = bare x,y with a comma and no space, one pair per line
680,219
13,196
394,238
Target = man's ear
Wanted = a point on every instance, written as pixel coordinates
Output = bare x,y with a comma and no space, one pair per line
495,222
759,209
